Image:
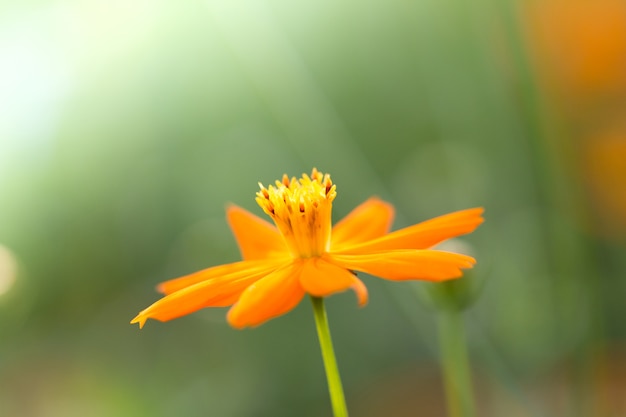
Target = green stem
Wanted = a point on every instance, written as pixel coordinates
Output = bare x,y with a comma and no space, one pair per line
456,371
335,389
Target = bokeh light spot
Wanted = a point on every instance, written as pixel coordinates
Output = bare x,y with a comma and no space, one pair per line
8,270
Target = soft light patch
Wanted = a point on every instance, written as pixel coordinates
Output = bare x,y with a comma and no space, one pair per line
8,270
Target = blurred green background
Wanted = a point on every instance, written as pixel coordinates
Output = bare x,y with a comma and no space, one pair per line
126,126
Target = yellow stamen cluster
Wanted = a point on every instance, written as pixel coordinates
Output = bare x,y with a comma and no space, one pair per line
301,209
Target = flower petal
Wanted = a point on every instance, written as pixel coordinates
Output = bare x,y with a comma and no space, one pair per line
217,292
236,269
321,278
423,235
367,221
400,265
270,297
257,239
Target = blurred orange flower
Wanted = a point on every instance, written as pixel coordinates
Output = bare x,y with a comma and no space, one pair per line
580,44
303,254
604,169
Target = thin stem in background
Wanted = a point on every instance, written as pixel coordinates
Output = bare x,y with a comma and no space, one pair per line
456,370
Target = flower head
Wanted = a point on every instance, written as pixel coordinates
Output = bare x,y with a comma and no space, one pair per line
301,209
303,254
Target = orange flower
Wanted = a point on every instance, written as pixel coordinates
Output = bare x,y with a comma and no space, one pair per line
302,254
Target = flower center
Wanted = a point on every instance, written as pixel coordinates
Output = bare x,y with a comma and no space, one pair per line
301,209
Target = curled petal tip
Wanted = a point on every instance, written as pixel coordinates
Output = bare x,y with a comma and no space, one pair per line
229,207
139,319
160,288
233,319
470,262
361,293
480,211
